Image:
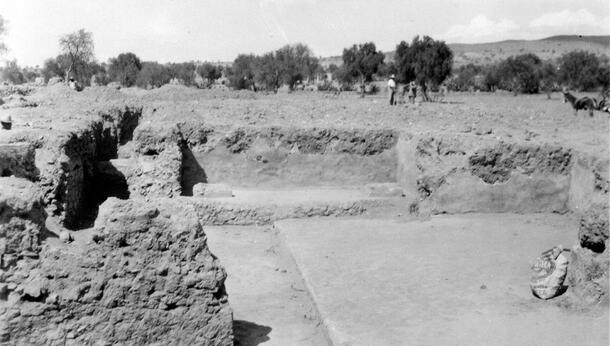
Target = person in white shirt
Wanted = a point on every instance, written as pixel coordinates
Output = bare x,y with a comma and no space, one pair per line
392,90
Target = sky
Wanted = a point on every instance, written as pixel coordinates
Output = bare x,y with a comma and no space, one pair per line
184,30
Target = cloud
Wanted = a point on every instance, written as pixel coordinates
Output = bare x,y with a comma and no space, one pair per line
566,21
481,29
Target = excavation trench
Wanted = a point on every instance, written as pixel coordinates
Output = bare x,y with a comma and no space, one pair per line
435,172
274,173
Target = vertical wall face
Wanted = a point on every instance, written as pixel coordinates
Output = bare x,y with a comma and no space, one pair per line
457,173
280,157
147,277
463,173
588,182
68,168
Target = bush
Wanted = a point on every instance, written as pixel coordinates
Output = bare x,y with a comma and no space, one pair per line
184,72
288,65
241,74
464,78
520,73
11,72
124,69
51,68
579,70
153,75
209,72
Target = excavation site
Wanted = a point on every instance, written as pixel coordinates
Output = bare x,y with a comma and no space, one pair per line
182,216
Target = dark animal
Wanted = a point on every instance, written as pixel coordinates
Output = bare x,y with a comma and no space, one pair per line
604,104
584,103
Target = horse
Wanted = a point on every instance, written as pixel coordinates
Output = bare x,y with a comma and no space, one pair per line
603,105
585,103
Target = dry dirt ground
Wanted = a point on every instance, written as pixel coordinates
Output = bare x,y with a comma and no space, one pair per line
523,117
467,153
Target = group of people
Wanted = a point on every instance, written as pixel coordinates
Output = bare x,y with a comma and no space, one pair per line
392,89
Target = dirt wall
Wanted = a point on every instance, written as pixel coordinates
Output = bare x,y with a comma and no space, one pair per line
276,157
457,173
67,163
144,276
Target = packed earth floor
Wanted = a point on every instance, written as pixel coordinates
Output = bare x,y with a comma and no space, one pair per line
186,216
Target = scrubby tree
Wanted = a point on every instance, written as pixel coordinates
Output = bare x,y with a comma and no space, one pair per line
100,72
51,68
31,73
267,72
426,61
360,62
295,63
209,72
153,75
548,78
332,68
78,49
521,73
603,78
387,69
579,70
184,72
464,78
11,72
345,77
124,69
491,79
241,74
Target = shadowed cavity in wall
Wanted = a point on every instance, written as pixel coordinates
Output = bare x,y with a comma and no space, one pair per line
191,171
90,156
249,333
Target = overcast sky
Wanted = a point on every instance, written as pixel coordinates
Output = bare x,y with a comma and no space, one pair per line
181,30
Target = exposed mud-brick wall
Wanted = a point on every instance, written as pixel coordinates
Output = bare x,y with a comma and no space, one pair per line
18,159
284,156
588,274
467,173
146,277
67,181
496,164
459,173
21,230
21,223
155,168
314,140
219,213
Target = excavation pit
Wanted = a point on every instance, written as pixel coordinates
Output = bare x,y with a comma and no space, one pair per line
371,196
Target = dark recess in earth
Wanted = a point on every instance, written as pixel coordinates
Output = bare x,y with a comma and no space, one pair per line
249,333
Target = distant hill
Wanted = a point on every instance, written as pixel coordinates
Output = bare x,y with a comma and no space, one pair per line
488,53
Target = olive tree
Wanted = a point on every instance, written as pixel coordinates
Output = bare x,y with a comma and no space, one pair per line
125,68
360,62
426,61
78,49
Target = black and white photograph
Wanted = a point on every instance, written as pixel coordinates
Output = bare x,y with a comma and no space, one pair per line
304,172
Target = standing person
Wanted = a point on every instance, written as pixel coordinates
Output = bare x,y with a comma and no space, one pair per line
412,91
392,90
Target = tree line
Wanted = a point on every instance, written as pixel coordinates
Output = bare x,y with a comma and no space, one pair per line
527,73
426,61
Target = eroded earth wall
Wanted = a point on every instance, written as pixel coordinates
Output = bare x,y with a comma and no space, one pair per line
144,276
458,173
281,157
